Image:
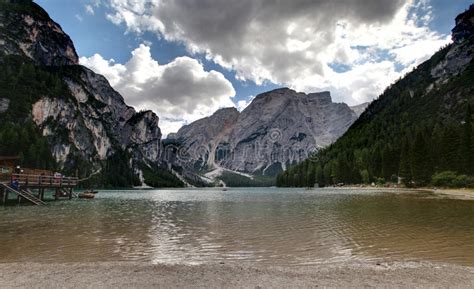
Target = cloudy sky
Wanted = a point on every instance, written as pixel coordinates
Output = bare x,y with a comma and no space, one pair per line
186,58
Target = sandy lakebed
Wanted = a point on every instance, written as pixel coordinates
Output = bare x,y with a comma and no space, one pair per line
139,275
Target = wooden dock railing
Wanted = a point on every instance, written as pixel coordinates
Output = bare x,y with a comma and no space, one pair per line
32,187
39,181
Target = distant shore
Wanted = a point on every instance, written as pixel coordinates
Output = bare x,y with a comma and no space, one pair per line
458,193
139,275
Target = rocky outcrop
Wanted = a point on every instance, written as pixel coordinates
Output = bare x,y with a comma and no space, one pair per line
464,25
278,128
4,103
28,31
461,52
360,108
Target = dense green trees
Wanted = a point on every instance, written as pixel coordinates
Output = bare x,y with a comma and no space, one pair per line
25,141
160,178
236,180
408,132
21,83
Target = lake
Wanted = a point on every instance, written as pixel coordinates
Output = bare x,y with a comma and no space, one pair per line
290,227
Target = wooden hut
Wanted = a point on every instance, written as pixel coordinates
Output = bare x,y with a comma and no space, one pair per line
7,166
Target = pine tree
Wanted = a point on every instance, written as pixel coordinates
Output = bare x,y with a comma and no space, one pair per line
320,176
436,149
376,161
311,175
418,160
466,147
450,143
404,171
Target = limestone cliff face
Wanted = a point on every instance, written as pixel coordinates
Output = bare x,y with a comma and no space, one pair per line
200,140
91,120
95,122
277,129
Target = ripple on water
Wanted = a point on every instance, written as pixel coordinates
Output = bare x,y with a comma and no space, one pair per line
268,226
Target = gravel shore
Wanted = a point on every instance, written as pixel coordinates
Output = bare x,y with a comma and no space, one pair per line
465,194
139,275
460,193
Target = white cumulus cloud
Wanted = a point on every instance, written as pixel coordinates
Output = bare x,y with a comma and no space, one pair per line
296,43
179,92
89,9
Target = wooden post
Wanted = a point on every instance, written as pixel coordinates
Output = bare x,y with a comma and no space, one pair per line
2,193
5,197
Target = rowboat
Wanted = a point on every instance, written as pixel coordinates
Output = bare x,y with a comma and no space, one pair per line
86,195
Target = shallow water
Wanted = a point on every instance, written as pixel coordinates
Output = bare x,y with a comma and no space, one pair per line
267,226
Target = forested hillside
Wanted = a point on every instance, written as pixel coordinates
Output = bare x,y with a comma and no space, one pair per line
419,131
56,114
21,83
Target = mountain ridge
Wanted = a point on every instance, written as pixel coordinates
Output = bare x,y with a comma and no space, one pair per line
259,138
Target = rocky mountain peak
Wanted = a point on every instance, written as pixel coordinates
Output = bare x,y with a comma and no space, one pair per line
27,30
226,111
322,98
209,127
464,28
280,91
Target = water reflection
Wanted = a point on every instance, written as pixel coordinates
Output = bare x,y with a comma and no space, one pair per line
268,226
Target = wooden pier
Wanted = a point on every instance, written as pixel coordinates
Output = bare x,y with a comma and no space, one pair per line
31,188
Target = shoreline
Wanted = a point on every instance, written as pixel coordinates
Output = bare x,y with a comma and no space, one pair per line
143,275
465,194
455,193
